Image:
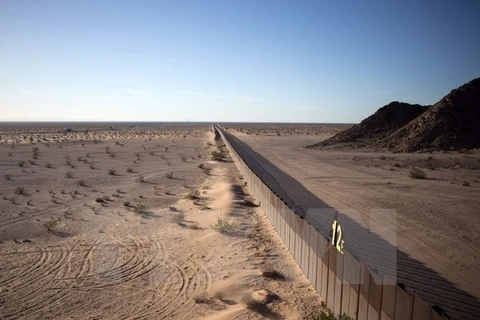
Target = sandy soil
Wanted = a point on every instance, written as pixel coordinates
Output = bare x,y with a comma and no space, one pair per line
437,218
96,226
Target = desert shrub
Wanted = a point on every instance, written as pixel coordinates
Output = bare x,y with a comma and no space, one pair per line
169,175
129,170
21,191
141,178
416,173
323,313
81,183
217,155
466,184
193,195
223,225
21,163
99,200
272,274
49,225
202,205
112,172
69,174
139,208
127,204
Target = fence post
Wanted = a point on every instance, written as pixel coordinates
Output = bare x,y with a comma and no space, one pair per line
337,305
323,252
403,305
388,299
421,310
332,268
356,278
313,255
363,293
375,296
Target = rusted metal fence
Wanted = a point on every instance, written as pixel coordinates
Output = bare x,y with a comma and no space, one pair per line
346,285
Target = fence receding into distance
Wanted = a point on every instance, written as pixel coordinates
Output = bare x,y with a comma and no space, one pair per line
346,285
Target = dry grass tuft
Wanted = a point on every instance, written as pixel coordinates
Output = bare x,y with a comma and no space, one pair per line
223,225
416,173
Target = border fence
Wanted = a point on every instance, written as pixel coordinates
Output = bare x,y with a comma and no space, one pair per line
346,285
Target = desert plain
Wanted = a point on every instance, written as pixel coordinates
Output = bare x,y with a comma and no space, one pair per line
153,221
136,221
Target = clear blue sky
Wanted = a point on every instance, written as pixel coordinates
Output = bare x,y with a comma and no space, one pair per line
288,61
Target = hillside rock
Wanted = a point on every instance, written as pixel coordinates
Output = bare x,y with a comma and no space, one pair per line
383,122
453,123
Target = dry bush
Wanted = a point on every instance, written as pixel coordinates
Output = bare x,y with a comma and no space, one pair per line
112,172
69,174
169,175
223,225
81,183
416,173
202,205
218,155
21,191
466,184
141,178
273,274
127,204
323,313
129,170
193,195
21,163
139,208
49,225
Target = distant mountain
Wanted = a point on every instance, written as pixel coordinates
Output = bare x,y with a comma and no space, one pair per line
453,123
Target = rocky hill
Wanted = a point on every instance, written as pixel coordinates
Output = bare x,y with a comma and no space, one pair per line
453,123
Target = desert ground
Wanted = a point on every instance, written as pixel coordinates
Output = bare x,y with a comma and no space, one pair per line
137,222
437,220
